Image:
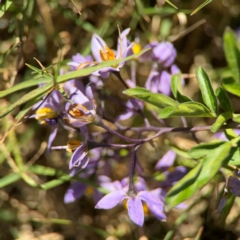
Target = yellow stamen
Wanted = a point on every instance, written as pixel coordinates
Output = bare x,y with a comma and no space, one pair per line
136,48
171,169
74,110
73,145
145,207
89,191
45,112
107,54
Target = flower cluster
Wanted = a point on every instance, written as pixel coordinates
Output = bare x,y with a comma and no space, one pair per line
75,106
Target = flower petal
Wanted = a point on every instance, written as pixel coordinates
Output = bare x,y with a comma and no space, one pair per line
52,137
135,210
166,161
75,191
97,44
155,205
111,200
80,157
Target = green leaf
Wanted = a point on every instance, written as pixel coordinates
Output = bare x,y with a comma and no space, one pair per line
177,88
8,179
187,109
200,7
198,176
61,79
170,3
157,99
4,7
231,86
43,170
206,89
201,150
23,85
56,182
236,118
221,119
29,96
224,100
232,53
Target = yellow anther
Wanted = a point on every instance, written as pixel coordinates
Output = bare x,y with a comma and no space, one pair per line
171,169
136,48
77,110
107,54
73,145
46,112
145,207
89,191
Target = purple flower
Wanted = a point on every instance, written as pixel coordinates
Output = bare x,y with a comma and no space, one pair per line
79,61
81,108
132,106
172,174
77,189
101,52
48,113
163,53
134,202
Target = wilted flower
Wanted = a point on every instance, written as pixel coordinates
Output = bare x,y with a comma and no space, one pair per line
101,52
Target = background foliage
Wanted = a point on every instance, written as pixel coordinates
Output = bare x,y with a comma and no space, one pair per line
33,183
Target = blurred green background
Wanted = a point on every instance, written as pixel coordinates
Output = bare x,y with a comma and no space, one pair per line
52,31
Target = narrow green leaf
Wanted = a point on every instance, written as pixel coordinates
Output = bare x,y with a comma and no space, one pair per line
198,176
221,119
231,86
176,87
43,170
55,182
224,100
29,96
86,71
200,7
157,99
9,179
187,109
208,95
170,3
23,85
201,150
30,181
236,118
4,7
63,78
232,53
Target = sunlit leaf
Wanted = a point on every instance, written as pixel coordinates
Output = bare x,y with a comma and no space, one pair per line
224,100
201,6
205,85
9,179
170,3
4,6
232,53
187,109
198,176
157,99
221,119
231,86
176,86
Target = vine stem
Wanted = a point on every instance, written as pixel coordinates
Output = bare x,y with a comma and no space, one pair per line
98,121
